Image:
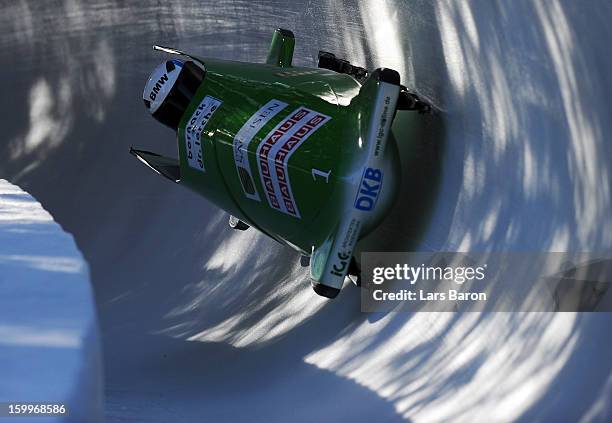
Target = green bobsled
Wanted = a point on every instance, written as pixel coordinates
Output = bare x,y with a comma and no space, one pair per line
304,155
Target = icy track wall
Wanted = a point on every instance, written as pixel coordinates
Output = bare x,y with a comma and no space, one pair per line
199,323
49,341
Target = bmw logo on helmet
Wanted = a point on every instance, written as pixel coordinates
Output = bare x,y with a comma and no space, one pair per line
170,89
160,83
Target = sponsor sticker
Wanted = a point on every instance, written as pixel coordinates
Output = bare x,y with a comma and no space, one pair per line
274,152
383,126
194,129
369,188
285,74
343,251
244,137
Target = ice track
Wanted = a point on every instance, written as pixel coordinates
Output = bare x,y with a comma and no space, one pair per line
202,324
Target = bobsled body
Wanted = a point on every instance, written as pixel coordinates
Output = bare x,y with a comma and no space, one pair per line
279,148
304,155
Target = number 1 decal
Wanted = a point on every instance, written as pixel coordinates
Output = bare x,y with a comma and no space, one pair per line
317,172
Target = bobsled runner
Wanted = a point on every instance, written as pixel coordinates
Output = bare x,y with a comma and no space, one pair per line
304,155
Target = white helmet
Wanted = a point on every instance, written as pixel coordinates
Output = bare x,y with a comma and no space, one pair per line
169,90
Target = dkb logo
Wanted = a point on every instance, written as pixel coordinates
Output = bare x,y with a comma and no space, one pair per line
371,181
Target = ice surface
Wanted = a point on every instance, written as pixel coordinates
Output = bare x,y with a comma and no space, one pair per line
49,341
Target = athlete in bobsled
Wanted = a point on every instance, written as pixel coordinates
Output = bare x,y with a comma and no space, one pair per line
304,155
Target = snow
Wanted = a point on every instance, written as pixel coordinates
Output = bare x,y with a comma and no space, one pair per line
199,323
49,344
